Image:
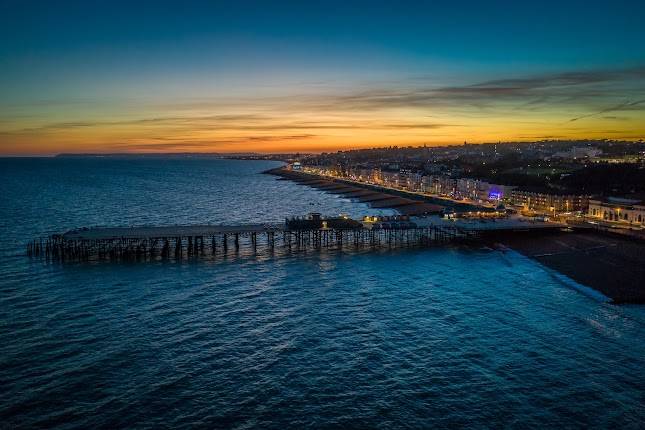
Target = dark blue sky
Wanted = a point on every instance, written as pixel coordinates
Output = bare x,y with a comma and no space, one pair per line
565,32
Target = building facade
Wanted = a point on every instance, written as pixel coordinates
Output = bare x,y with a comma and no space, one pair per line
549,203
618,210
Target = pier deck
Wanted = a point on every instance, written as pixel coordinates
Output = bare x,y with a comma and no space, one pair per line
177,242
110,233
164,242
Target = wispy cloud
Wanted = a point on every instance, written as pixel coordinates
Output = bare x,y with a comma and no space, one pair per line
172,144
402,112
616,108
591,88
233,122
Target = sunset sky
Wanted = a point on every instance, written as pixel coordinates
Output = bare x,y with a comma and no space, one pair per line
315,76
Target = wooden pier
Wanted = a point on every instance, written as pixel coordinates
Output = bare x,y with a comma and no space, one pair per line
181,242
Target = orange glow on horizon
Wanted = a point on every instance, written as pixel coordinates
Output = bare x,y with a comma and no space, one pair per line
272,137
314,123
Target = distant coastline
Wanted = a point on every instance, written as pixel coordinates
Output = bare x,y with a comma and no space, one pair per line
245,156
145,155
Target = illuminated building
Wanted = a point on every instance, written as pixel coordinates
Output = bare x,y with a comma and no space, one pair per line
548,202
614,209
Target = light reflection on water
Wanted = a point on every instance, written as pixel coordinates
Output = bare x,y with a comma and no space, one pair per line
442,337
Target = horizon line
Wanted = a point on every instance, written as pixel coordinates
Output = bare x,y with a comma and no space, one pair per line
267,153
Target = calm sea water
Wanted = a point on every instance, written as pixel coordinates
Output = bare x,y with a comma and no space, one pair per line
432,338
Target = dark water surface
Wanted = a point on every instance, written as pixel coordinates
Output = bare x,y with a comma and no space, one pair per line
405,339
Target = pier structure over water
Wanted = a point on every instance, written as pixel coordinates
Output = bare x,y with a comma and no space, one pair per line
179,242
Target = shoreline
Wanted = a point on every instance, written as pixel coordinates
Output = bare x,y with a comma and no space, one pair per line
377,197
609,264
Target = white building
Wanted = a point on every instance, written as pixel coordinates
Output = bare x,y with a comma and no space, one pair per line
615,209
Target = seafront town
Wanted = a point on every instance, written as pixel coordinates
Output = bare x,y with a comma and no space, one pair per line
598,183
596,239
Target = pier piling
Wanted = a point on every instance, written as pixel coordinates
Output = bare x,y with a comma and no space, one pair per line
165,243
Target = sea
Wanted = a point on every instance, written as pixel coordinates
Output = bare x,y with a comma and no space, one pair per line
443,337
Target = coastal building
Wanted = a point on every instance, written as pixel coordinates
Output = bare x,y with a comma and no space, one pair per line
460,188
426,184
390,179
614,209
414,181
495,193
443,185
468,188
360,174
548,201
